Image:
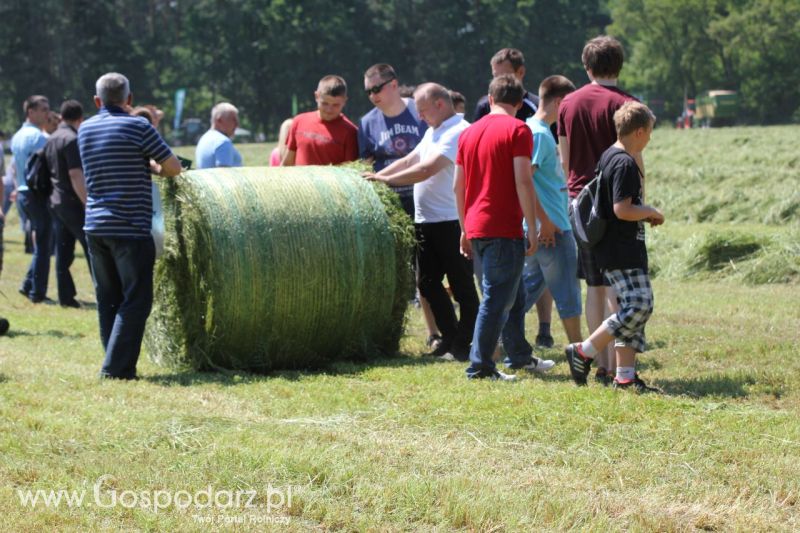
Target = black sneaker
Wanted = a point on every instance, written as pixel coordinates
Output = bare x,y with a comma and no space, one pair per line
637,385
544,341
4,325
578,366
494,375
603,377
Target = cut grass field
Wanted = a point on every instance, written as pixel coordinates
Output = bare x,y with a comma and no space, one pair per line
407,443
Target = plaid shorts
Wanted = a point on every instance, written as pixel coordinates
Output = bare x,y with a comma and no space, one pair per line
635,298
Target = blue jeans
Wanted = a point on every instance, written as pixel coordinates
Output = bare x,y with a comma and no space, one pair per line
68,218
35,208
502,311
122,271
554,267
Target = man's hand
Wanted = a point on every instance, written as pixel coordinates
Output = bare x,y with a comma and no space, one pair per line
532,244
547,232
466,246
370,176
657,218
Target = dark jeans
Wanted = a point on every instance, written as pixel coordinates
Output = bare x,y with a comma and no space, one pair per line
502,310
123,280
438,254
68,218
35,208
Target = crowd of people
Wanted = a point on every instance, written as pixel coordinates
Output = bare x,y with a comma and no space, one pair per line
490,199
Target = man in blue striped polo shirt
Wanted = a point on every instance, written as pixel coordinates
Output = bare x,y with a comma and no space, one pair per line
119,152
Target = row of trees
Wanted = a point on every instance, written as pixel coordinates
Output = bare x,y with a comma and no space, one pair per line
258,54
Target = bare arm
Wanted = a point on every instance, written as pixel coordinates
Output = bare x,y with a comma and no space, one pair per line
527,197
288,159
419,171
169,168
547,230
459,190
78,181
625,210
400,164
563,147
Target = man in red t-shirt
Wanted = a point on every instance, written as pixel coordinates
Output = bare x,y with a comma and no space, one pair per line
585,130
494,189
324,136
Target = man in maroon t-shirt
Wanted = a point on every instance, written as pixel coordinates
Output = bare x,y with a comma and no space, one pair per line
494,188
585,130
324,136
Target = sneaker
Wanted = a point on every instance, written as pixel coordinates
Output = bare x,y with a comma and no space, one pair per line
544,341
636,384
4,325
603,377
579,366
494,375
500,376
447,357
538,365
71,303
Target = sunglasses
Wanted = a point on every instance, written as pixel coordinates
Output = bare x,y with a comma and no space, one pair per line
375,89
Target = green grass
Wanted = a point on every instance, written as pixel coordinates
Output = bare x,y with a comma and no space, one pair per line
408,444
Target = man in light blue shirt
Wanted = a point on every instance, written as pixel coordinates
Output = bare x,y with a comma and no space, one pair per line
33,206
555,263
215,148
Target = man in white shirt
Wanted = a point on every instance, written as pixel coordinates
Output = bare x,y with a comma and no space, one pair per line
429,167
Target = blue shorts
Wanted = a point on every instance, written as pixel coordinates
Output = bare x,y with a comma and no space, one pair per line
556,268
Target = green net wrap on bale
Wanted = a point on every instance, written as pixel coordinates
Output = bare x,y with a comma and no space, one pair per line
268,268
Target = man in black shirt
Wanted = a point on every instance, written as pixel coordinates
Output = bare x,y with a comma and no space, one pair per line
509,61
68,200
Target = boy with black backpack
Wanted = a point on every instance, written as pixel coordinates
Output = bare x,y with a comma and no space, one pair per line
621,253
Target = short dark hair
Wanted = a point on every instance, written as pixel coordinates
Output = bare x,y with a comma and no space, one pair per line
603,56
457,98
553,87
34,102
71,110
143,112
506,89
632,116
332,85
512,55
383,70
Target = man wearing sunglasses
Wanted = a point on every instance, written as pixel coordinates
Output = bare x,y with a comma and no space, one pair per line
390,131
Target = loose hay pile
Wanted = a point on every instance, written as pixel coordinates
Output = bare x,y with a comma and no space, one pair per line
268,268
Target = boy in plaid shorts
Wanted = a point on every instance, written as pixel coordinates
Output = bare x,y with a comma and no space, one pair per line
621,253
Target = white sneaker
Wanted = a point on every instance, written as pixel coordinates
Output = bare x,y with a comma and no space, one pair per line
500,376
539,365
447,357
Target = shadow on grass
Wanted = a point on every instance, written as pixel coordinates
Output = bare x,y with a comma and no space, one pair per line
49,333
3,378
337,368
727,386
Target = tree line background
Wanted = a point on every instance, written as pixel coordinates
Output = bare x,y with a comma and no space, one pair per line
258,53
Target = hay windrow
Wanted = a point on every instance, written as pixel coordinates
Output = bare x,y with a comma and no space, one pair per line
278,268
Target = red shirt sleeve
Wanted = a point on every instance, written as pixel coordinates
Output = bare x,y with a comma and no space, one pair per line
522,142
291,139
351,149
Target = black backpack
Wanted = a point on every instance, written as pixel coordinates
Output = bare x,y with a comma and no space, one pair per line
588,214
37,174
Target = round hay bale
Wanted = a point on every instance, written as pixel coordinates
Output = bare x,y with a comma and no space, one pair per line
268,268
